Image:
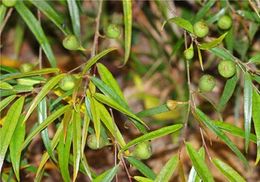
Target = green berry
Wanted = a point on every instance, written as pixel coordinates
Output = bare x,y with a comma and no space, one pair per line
225,22
207,83
9,3
67,83
71,43
189,53
112,31
26,67
226,68
92,142
143,150
200,29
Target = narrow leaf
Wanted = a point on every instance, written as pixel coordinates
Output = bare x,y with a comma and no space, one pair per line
142,179
74,16
228,92
37,30
127,8
222,53
107,176
96,117
200,58
5,85
5,102
181,22
153,135
153,111
203,11
255,59
199,164
6,132
204,118
45,123
45,90
140,166
213,43
256,119
168,169
2,13
193,175
228,171
248,91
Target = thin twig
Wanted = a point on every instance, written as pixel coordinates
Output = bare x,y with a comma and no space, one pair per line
204,144
95,42
126,169
5,20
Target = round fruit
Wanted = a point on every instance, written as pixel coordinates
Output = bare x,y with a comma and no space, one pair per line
188,53
26,67
112,31
225,22
207,83
67,83
71,43
92,142
227,68
200,29
143,150
9,3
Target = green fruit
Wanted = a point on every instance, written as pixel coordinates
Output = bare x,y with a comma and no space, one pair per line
143,150
227,68
9,3
26,67
189,53
71,43
67,83
92,142
225,22
207,83
112,31
200,29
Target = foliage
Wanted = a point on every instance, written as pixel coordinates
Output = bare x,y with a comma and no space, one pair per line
161,49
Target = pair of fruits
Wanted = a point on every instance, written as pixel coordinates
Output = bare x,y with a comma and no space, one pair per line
226,69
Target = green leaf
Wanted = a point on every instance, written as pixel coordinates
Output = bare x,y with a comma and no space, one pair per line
234,130
110,124
181,22
202,117
248,92
5,102
46,156
127,8
153,111
203,11
5,85
168,169
108,175
222,53
142,179
255,59
193,175
44,91
37,30
76,125
228,171
15,146
110,102
256,119
108,78
200,59
249,15
2,13
213,43
95,117
140,166
103,87
153,135
74,16
42,115
8,129
64,146
228,92
199,164
31,73
94,59
216,16
51,13
45,123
